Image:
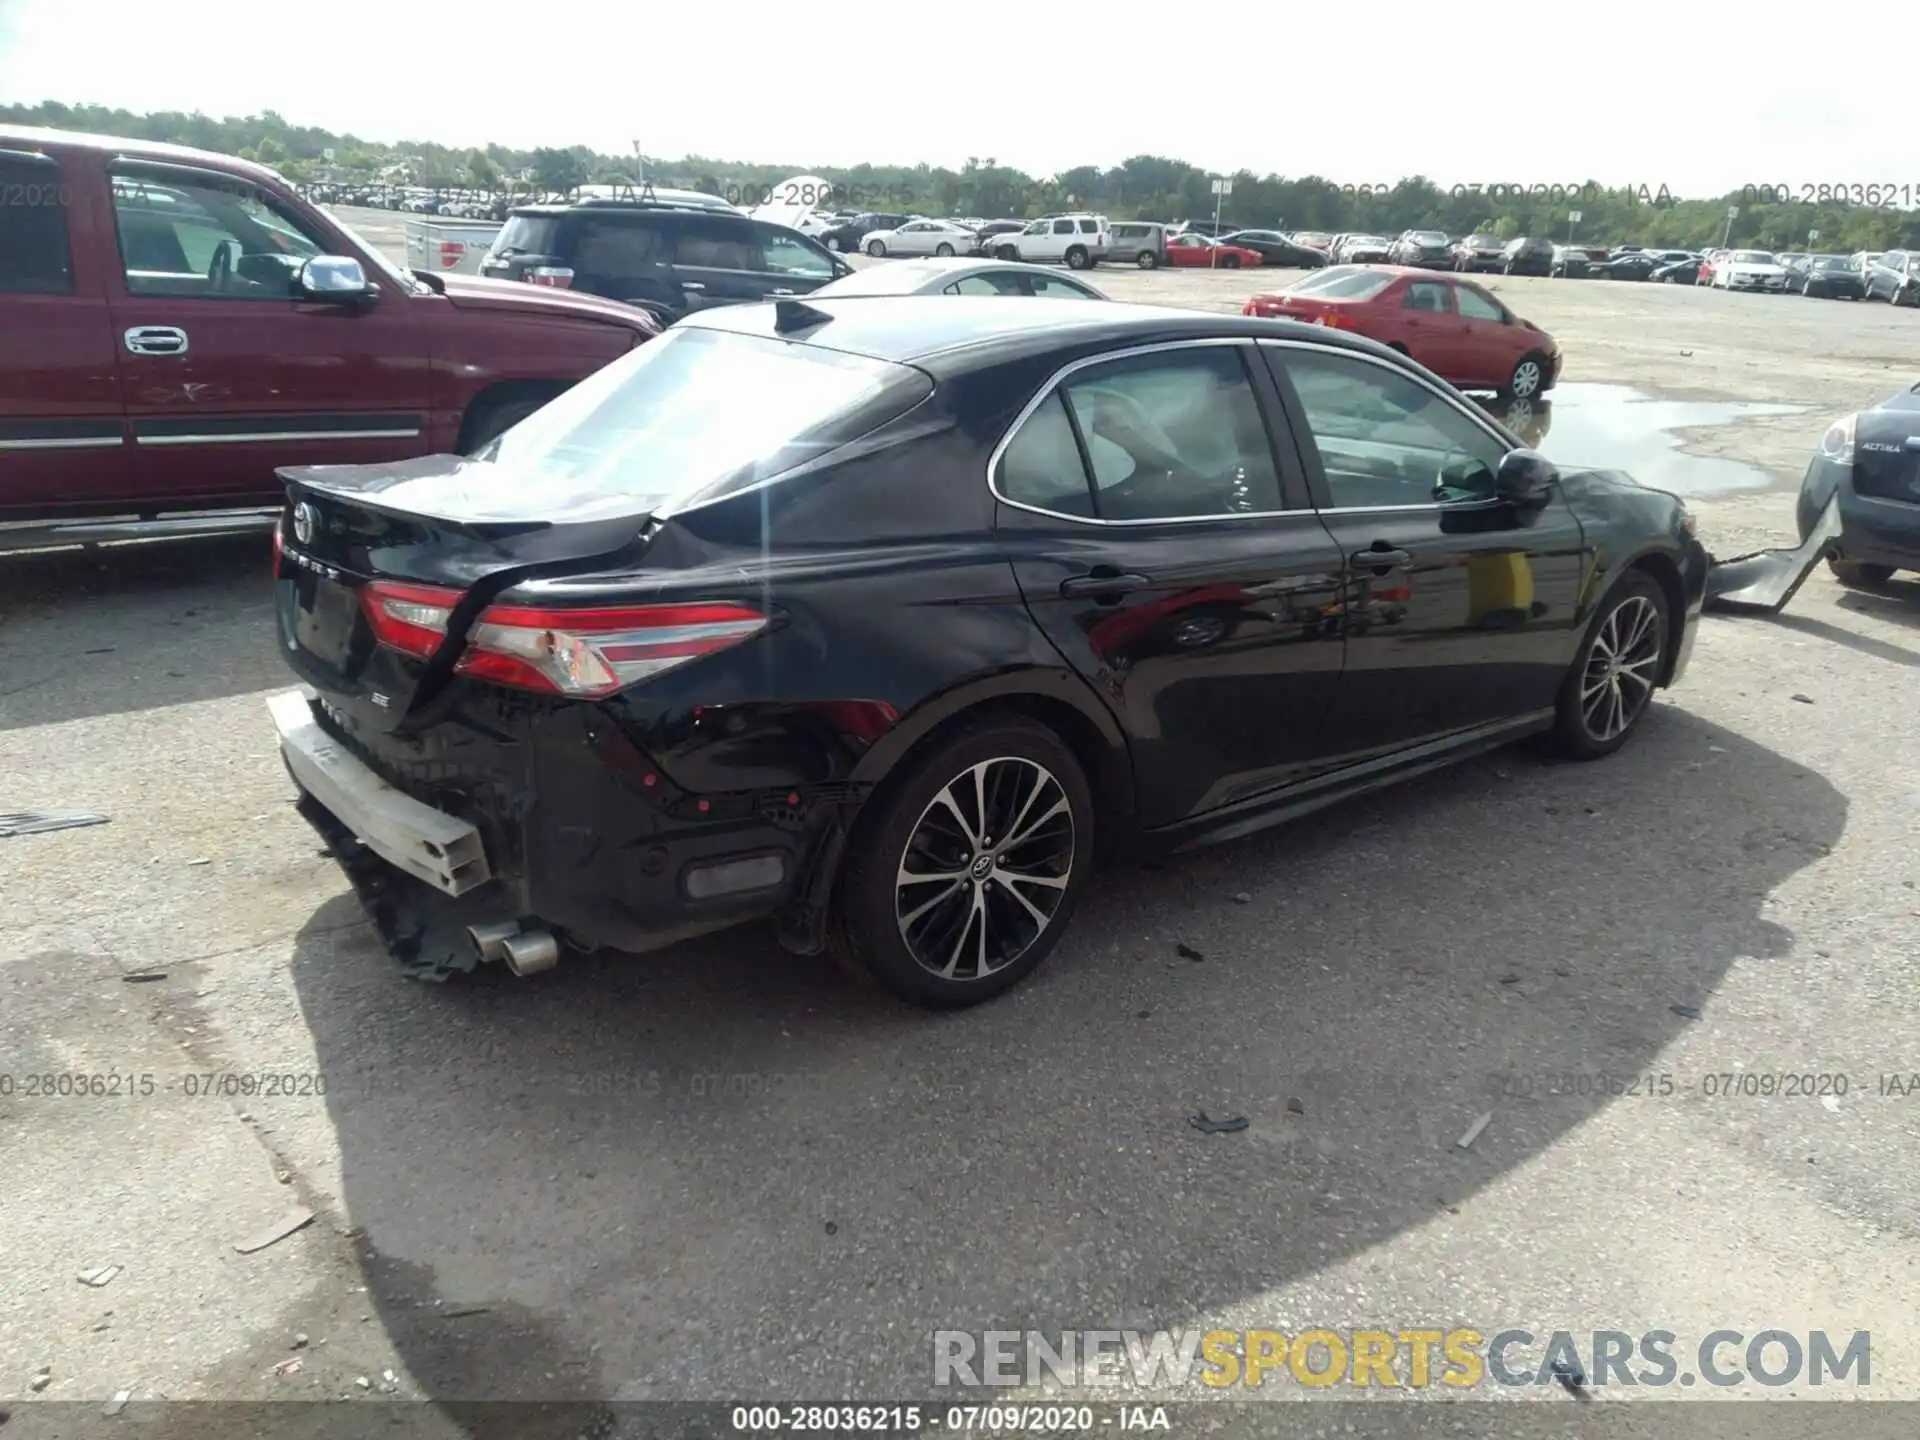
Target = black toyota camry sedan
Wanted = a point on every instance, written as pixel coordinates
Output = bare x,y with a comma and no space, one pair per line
889,618
1871,461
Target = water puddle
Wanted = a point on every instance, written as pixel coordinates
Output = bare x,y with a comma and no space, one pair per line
1613,427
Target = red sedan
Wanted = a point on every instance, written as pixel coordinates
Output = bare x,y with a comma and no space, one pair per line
1207,253
1449,324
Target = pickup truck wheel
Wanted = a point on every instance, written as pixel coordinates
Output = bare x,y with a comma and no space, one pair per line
486,423
1077,257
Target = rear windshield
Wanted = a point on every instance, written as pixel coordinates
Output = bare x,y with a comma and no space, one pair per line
1429,237
689,417
1752,257
1354,285
526,235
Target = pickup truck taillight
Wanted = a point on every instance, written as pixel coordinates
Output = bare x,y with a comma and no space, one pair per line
452,252
554,277
592,652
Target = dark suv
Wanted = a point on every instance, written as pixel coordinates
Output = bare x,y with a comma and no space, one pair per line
667,259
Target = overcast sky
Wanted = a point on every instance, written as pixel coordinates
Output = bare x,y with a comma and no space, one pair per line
1623,92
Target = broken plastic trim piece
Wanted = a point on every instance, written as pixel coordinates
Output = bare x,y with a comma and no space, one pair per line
1763,582
39,822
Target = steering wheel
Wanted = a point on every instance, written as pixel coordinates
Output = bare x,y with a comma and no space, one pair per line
220,267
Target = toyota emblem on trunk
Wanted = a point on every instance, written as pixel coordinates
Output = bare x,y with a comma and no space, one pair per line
303,522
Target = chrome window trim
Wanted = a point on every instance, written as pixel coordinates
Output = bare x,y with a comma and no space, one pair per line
1482,421
1087,362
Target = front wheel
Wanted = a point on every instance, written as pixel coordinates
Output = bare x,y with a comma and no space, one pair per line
965,874
1007,252
1529,378
1229,262
1613,678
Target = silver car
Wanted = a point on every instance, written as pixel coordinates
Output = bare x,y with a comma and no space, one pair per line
958,276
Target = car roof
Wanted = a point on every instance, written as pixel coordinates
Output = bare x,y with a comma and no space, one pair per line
970,332
28,137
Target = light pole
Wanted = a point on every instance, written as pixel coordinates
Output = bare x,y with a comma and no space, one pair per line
1222,187
1726,236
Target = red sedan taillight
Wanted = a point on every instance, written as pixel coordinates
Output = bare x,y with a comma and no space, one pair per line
590,653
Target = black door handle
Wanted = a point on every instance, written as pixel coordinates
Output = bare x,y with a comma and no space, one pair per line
1102,583
1379,559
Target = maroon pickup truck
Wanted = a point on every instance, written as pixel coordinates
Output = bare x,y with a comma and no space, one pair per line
174,325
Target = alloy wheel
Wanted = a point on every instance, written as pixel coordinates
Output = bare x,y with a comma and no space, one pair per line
1622,666
985,869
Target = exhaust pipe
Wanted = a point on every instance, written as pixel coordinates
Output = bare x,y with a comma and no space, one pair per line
491,939
531,952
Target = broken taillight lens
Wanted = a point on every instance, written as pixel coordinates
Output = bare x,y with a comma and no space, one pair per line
595,652
409,618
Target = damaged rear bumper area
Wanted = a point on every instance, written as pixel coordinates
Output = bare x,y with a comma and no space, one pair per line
563,836
1763,582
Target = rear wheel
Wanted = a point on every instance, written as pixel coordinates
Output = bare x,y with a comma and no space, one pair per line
1146,260
1529,378
1616,671
1859,572
876,248
964,877
1078,257
943,249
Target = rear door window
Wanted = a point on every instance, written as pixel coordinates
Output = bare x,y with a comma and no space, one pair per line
1424,295
1477,305
714,243
36,255
614,247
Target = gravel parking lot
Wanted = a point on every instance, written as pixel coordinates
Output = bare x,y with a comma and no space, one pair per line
721,1172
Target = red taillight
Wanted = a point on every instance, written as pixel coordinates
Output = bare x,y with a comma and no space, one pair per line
279,548
451,253
554,277
409,618
596,652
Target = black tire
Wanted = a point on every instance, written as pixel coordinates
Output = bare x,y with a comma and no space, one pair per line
1229,262
876,248
943,250
487,422
1077,257
1580,730
1859,574
1519,386
866,931
1007,252
1396,345
1146,260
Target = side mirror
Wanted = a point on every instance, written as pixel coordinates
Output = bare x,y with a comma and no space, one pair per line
336,279
1525,479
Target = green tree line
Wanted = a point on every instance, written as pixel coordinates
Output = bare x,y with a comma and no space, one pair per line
1144,187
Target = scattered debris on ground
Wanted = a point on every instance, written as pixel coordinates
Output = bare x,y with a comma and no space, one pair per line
99,1275
271,1234
1294,1107
39,822
1187,952
118,1402
142,977
42,1378
1686,1012
1465,1142
1227,1125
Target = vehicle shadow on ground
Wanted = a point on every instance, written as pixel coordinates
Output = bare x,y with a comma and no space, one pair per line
1851,639
1897,600
162,624
721,1172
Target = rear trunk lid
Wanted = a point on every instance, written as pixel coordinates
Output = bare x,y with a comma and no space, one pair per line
365,548
1886,451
